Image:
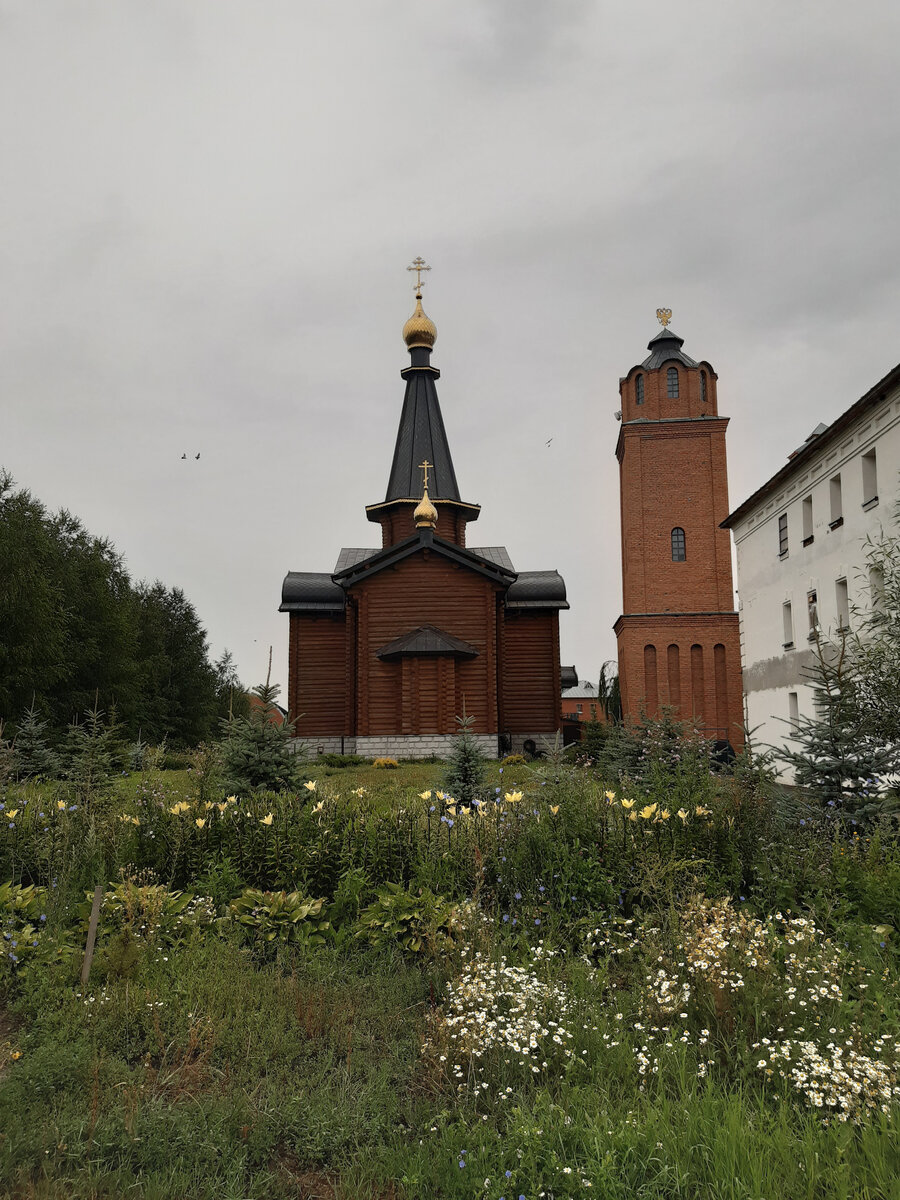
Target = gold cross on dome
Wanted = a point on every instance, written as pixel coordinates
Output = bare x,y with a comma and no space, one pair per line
664,316
423,466
419,265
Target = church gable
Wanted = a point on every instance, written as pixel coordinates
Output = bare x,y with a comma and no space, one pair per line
392,606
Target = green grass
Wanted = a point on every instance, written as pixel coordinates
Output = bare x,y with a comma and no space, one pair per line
207,1063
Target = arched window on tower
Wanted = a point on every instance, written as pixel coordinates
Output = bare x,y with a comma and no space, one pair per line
639,390
703,386
679,549
672,383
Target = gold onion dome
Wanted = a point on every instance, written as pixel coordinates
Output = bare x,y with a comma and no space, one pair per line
419,330
425,514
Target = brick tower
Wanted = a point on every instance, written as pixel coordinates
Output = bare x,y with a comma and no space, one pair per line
678,635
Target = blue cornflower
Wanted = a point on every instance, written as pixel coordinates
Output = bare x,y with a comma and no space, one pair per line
72,807
537,920
541,888
450,824
461,1164
43,916
515,920
518,895
509,1174
802,822
431,809
506,918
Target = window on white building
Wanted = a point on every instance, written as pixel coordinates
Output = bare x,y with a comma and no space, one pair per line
812,608
876,587
837,504
807,521
869,479
782,535
842,599
793,710
788,620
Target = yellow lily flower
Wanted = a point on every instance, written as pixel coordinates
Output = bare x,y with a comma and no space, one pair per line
610,796
664,815
200,822
554,808
221,807
266,820
231,800
702,812
632,816
440,795
513,797
310,785
208,805
424,795
318,807
60,804
135,821
451,809
627,803
465,809
361,791
647,811
681,813
13,812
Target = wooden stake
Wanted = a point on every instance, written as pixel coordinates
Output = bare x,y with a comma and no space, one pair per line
92,933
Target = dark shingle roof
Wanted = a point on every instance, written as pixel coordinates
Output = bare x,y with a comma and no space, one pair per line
421,436
537,589
310,591
664,347
498,555
427,640
351,555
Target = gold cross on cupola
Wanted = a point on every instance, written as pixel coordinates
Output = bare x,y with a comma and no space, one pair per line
423,466
419,265
664,316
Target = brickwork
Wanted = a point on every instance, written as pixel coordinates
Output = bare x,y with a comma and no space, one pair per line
678,637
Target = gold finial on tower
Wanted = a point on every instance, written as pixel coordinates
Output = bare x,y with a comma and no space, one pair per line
425,514
664,316
419,330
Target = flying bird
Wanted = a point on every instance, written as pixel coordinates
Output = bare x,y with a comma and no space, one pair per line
184,456
196,456
549,440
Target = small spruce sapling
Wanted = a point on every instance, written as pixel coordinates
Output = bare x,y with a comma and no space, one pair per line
34,756
258,751
465,774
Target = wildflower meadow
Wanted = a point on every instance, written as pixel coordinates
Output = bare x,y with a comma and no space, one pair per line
668,982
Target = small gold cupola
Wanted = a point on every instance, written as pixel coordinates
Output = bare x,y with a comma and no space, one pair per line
425,514
419,330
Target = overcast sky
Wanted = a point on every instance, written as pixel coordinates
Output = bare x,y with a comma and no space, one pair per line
207,209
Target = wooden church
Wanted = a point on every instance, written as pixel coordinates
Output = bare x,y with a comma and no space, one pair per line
396,642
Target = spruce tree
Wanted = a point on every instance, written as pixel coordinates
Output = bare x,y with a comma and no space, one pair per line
465,774
837,756
258,750
34,756
93,752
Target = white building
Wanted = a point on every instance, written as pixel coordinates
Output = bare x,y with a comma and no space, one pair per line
801,555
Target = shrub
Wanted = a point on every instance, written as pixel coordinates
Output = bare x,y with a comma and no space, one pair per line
281,917
385,764
513,760
416,923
